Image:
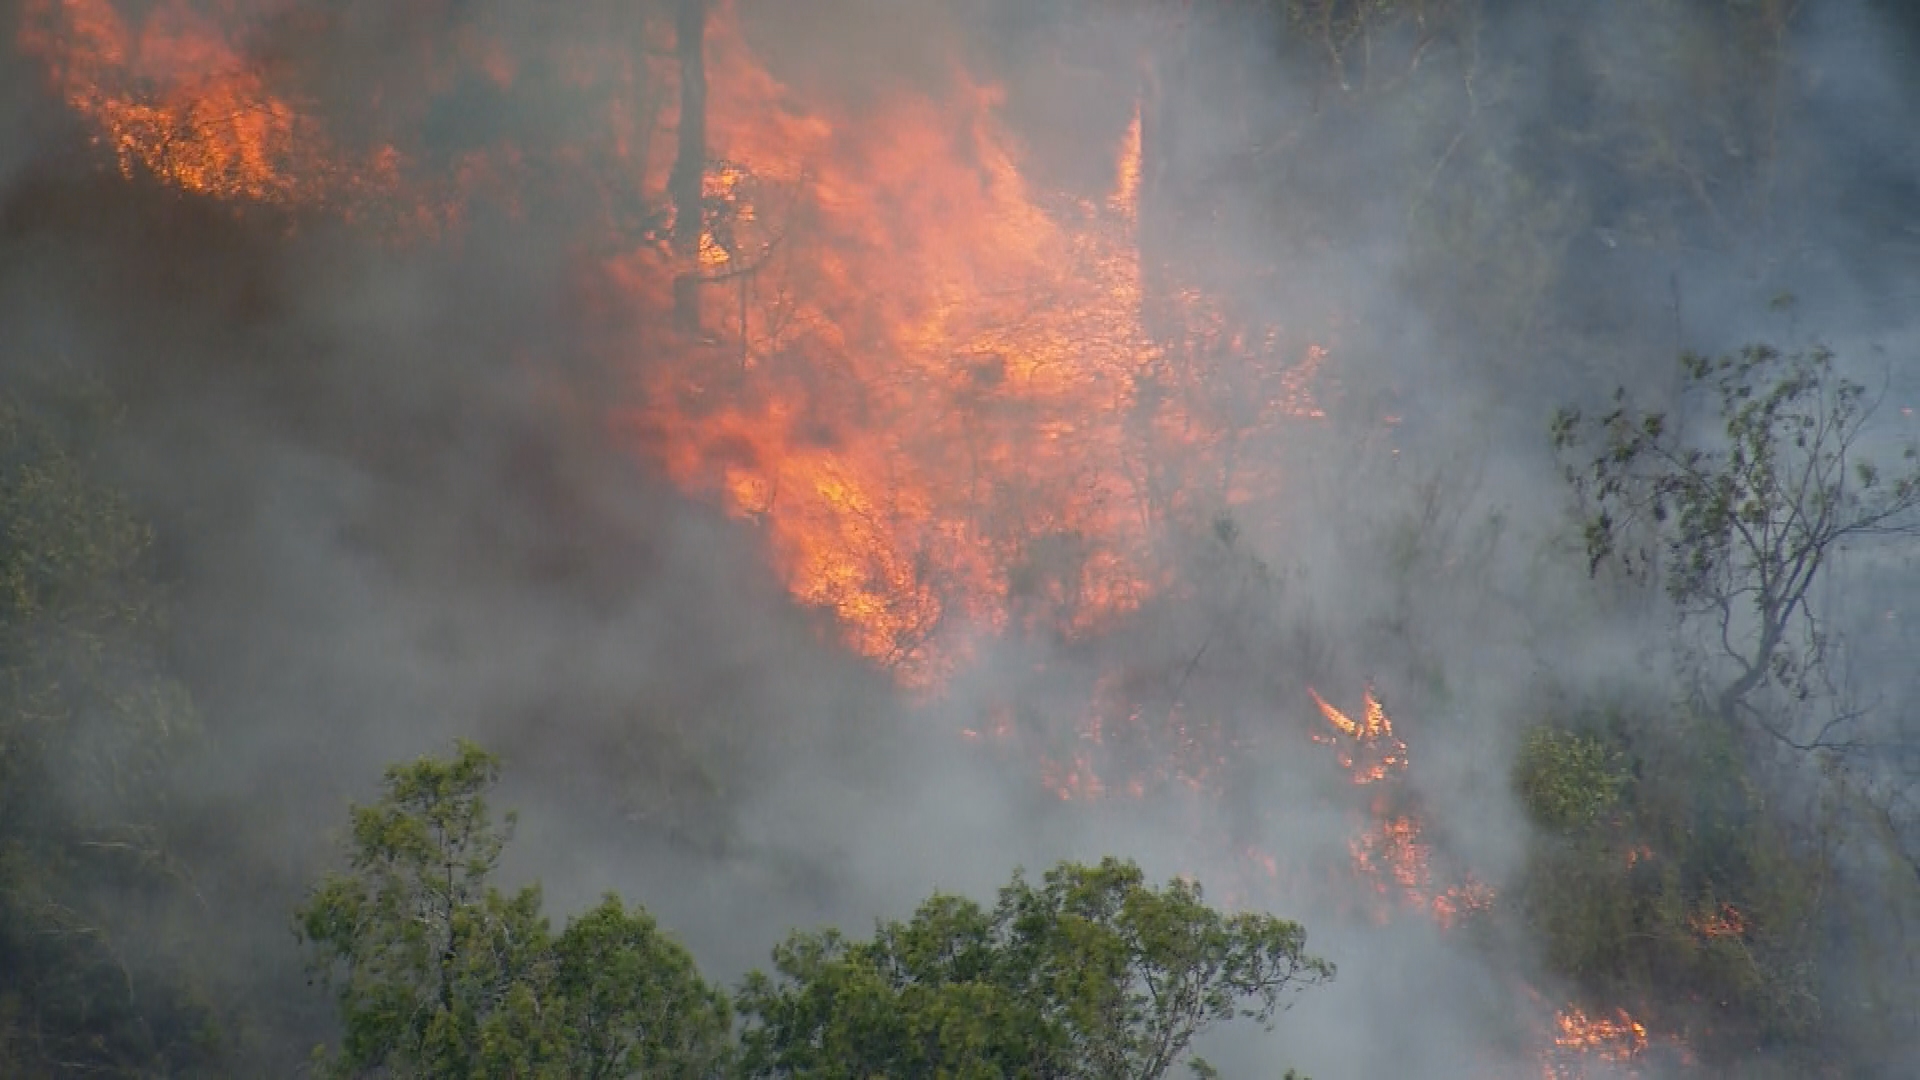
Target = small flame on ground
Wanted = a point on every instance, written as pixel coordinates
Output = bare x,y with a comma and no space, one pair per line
1615,1040
1618,1037
1725,922
1391,851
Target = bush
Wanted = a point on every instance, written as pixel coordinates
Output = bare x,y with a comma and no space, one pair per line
1661,880
1566,780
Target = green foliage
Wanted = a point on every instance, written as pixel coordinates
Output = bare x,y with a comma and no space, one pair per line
1090,974
1739,523
1693,891
439,974
85,697
90,720
630,1002
412,928
1566,780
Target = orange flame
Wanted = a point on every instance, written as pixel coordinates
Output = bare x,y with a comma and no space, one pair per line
1391,852
929,382
173,95
1616,1040
1726,922
1368,750
1579,1038
932,384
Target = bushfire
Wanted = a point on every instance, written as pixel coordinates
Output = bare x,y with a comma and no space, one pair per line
1389,850
944,394
934,385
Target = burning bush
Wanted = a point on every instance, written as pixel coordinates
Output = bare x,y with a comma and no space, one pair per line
1665,884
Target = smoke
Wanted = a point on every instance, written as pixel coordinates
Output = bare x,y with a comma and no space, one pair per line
393,513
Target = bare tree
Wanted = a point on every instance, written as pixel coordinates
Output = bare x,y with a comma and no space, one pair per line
1738,524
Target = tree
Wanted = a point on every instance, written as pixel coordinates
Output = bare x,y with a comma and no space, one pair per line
1739,525
91,724
1090,974
439,974
631,1002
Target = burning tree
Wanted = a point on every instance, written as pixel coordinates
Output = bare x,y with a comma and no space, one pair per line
1740,524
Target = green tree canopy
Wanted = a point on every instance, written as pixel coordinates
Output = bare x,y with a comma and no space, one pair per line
1092,973
440,974
90,721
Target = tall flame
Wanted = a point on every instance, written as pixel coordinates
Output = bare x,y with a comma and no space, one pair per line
931,383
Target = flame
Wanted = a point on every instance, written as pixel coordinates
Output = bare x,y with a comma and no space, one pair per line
932,384
187,91
1125,200
1368,750
1390,850
1725,922
1391,853
937,389
1618,1038
175,96
1614,1038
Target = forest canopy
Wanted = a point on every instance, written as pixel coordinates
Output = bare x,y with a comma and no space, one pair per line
439,974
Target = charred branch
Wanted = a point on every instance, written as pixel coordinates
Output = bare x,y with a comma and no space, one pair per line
686,183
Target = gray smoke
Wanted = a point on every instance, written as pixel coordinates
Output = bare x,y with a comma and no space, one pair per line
391,516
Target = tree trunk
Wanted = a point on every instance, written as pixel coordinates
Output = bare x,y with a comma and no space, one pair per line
685,186
1735,693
